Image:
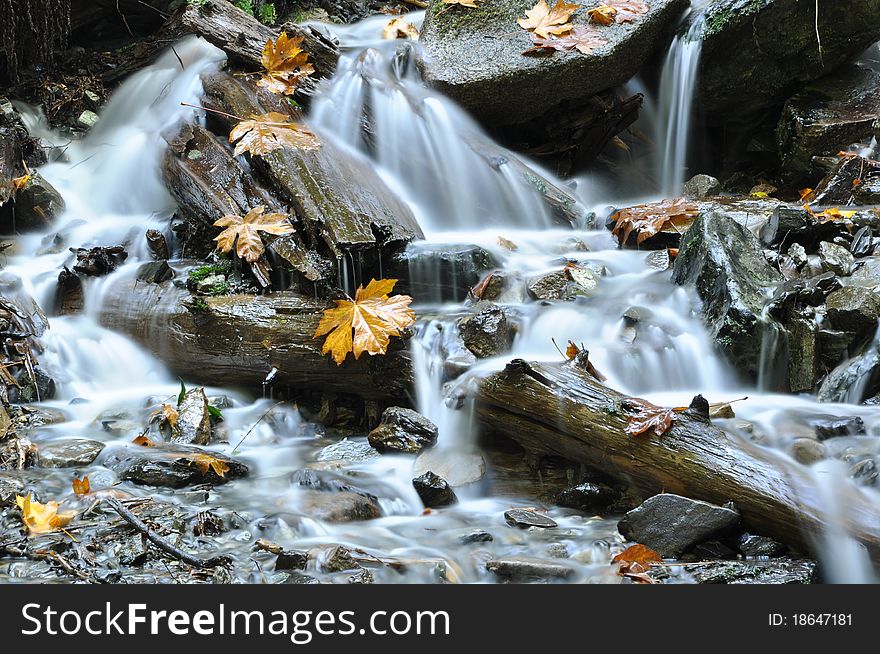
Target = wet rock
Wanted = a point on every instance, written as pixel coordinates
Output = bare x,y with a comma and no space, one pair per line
172,466
779,571
37,205
335,559
519,569
714,549
155,272
865,471
488,333
434,491
754,545
322,480
194,421
456,467
737,83
836,258
786,226
828,115
727,266
476,58
341,506
87,119
854,309
347,450
839,186
798,255
98,261
671,524
701,186
71,453
403,430
440,272
551,286
862,243
807,451
457,358
69,298
853,381
291,560
158,245
132,552
10,486
38,389
834,426
589,497
523,518
476,536
868,192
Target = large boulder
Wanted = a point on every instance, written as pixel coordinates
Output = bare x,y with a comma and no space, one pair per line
757,53
726,264
475,56
827,116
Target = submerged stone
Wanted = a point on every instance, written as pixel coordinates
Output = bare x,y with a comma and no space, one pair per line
403,430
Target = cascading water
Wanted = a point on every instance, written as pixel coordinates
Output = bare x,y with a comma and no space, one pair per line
642,332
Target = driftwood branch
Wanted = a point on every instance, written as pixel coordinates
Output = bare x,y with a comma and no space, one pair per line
560,410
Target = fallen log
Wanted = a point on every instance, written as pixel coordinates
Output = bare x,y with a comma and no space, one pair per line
558,409
241,339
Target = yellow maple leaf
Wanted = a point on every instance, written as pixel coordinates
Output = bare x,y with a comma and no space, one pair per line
245,231
367,323
262,134
204,462
544,21
603,14
143,441
41,518
82,486
397,28
166,413
285,64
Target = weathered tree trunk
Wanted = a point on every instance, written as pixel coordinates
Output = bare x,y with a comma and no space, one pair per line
240,339
557,409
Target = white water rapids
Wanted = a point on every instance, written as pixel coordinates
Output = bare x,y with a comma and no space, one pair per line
422,145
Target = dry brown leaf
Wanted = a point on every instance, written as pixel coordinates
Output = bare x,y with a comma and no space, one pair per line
508,245
544,21
582,38
82,486
243,234
626,11
19,183
603,14
646,220
285,64
461,3
262,134
572,350
367,323
41,518
143,441
807,194
398,28
204,462
648,418
166,413
637,553
832,214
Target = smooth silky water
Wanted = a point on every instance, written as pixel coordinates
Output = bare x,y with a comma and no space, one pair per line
424,146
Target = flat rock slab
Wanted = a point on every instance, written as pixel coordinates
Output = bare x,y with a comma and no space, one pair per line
171,466
671,524
474,55
525,569
69,453
523,518
780,571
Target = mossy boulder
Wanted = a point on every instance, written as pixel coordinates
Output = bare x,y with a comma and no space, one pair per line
758,53
475,56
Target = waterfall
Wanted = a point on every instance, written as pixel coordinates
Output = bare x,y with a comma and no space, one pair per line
678,83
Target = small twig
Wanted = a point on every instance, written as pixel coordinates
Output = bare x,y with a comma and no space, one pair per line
51,557
141,527
213,111
254,426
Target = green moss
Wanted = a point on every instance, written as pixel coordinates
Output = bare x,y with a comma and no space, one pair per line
722,13
203,272
450,18
218,289
198,305
246,6
267,14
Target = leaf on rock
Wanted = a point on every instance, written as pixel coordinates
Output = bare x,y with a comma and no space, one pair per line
41,518
143,441
807,194
166,413
582,38
626,11
82,486
508,245
243,234
831,214
398,28
648,418
646,220
272,131
603,14
461,3
285,64
367,323
637,553
544,21
205,462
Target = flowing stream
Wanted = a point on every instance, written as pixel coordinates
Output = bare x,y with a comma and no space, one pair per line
429,152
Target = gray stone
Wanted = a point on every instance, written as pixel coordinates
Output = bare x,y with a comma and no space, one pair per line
853,309
807,451
155,272
335,559
836,258
733,279
833,426
488,333
753,545
550,286
671,524
778,571
10,486
590,497
865,471
523,518
434,491
476,536
738,82
194,421
527,569
458,468
701,186
854,380
346,450
474,56
439,272
37,205
403,430
341,506
798,255
291,560
87,119
71,453
171,466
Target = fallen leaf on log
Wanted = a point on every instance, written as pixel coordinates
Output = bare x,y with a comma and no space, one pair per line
646,220
367,323
204,462
272,131
243,233
648,417
285,64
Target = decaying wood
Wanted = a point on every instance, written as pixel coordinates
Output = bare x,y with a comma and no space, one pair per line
557,409
240,339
